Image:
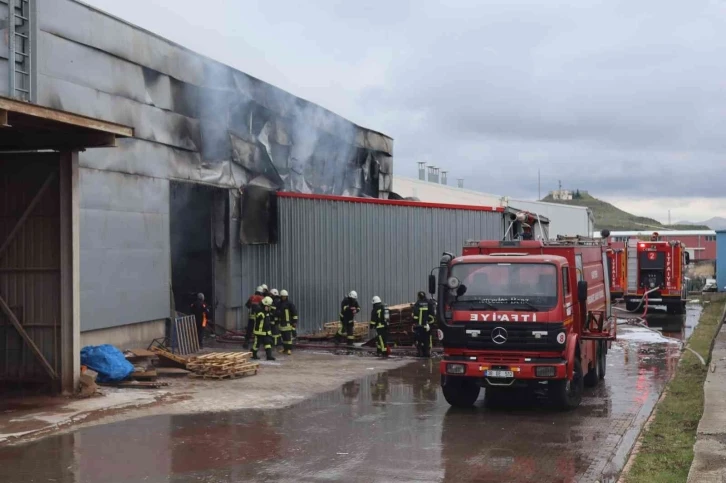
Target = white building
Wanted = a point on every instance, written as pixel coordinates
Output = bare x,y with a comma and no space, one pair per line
564,219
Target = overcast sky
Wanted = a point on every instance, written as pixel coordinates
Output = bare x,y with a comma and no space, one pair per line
626,99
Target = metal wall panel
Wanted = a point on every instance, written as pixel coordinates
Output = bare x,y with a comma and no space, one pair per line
327,248
30,266
564,219
124,249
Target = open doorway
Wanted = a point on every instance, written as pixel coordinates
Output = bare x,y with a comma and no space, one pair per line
192,257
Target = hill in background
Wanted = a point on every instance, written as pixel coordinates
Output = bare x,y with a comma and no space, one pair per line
610,217
715,223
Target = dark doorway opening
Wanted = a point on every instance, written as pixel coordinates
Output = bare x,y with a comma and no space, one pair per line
192,259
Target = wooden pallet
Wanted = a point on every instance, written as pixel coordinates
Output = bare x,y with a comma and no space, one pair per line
221,357
233,373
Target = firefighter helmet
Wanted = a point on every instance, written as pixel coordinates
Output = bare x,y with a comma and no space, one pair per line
376,300
274,291
353,294
264,287
259,289
267,301
283,293
200,296
421,295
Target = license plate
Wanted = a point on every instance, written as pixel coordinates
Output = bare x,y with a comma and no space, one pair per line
499,374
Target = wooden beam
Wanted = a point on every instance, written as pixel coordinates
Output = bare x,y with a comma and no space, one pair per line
4,118
27,212
14,320
34,110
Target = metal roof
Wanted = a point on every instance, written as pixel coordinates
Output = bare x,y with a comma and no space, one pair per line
668,233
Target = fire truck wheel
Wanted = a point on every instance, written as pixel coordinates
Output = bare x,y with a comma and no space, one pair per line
603,359
568,394
460,392
593,376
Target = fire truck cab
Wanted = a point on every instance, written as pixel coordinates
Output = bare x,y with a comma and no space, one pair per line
523,315
656,275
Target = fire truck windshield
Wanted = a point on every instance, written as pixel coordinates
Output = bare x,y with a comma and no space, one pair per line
513,284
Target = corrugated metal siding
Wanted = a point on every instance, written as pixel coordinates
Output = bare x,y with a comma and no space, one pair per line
124,249
327,248
30,267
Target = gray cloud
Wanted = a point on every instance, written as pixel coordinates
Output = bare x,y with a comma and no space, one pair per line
621,98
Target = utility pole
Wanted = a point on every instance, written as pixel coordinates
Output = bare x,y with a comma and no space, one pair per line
539,185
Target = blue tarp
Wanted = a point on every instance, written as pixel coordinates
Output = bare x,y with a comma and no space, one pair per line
108,361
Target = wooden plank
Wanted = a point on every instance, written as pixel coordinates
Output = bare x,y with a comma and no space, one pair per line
171,372
142,353
135,384
28,340
64,117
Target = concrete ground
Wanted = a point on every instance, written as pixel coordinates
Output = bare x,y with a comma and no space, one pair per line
322,417
709,462
280,383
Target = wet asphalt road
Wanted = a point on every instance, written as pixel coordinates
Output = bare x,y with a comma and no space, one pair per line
393,426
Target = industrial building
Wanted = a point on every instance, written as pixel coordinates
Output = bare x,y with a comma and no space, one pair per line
700,244
205,180
563,219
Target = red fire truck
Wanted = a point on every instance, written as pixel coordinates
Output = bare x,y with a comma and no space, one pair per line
656,275
523,315
618,270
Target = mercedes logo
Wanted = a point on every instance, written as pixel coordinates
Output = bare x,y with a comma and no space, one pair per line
499,335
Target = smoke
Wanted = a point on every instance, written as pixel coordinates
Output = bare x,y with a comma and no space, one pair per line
279,140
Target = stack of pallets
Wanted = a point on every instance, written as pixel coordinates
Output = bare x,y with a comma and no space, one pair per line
222,365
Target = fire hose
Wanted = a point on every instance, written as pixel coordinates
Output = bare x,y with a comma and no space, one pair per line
640,321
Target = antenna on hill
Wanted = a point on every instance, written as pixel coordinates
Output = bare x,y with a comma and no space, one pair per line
559,182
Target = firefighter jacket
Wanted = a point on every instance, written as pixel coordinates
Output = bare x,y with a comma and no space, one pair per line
348,308
423,313
274,309
263,321
286,314
201,313
379,320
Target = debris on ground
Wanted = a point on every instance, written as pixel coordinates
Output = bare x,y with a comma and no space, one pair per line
88,386
222,365
107,361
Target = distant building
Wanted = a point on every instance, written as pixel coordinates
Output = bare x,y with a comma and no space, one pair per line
562,195
721,260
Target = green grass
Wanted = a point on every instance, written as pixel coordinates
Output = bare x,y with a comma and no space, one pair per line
613,218
666,451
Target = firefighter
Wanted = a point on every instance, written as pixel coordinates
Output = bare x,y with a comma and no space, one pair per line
379,321
276,336
263,329
526,231
287,315
265,290
251,305
423,315
348,308
201,316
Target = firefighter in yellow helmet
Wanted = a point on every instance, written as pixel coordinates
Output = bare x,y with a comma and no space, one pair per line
263,329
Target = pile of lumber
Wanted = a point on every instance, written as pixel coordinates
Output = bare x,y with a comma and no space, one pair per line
360,332
222,365
400,329
144,364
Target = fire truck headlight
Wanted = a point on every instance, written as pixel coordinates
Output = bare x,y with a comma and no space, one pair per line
455,368
453,283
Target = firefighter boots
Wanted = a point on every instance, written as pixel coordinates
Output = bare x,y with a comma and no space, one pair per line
270,357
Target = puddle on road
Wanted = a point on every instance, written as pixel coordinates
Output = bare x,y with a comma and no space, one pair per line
393,426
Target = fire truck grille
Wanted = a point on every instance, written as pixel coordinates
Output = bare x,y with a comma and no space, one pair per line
505,336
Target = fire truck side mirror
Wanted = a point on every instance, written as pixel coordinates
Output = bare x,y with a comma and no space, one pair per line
432,284
582,291
688,258
461,290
